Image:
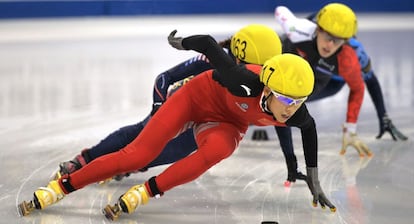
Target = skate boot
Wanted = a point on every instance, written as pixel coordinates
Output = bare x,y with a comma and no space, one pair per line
71,166
43,197
128,202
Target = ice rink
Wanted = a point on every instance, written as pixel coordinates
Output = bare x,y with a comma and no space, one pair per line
66,84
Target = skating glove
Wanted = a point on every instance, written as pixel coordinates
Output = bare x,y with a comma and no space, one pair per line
175,42
316,190
388,126
350,138
155,107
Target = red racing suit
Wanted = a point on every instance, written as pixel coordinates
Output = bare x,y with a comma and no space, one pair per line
218,109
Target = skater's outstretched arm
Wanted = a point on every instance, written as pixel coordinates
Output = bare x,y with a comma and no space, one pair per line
375,91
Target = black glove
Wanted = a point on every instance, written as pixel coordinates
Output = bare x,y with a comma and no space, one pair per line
316,190
155,107
293,173
175,42
388,126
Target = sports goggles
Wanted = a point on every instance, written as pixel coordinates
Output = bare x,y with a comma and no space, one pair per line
288,101
328,37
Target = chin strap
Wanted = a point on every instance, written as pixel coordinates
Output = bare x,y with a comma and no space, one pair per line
263,104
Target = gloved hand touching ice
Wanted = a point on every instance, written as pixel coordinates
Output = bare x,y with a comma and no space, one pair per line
316,190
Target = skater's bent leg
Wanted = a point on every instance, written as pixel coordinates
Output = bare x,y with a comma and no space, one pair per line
139,194
145,148
215,144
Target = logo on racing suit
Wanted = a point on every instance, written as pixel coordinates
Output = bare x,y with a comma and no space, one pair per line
247,89
324,63
243,106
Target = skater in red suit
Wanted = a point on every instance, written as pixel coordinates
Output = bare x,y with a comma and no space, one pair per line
219,104
166,84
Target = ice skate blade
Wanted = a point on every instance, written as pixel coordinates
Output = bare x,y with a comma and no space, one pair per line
112,212
25,208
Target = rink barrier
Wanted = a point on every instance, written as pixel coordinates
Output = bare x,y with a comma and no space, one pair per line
80,8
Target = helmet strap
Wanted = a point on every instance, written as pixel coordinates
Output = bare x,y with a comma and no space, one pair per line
264,103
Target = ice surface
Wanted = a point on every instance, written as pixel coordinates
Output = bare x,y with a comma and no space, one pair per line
66,84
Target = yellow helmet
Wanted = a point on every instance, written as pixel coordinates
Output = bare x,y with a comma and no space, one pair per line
288,74
338,20
255,43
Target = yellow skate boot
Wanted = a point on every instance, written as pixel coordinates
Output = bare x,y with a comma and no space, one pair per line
43,197
128,202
